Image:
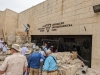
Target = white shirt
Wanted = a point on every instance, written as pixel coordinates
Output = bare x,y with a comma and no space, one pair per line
34,45
1,41
43,53
24,49
4,48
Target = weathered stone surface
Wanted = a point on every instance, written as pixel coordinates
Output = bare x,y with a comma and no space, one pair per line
11,39
67,66
20,39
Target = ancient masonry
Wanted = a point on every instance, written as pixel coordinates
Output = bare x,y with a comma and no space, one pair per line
78,15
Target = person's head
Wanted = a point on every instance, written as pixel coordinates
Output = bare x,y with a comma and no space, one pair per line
4,43
41,48
48,52
51,48
37,49
15,48
45,44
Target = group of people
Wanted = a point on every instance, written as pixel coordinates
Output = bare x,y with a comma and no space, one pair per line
26,62
3,46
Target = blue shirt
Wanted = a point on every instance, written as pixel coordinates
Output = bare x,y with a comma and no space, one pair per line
50,64
34,60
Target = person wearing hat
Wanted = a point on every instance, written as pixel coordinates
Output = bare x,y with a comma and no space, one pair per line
27,55
15,64
34,61
24,49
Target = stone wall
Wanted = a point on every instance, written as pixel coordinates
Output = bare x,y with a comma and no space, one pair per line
69,66
2,16
79,13
11,22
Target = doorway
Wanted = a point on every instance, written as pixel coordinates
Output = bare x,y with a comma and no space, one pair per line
68,43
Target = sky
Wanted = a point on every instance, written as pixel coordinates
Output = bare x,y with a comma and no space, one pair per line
18,5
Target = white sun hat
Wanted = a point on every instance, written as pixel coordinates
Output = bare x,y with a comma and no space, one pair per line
16,47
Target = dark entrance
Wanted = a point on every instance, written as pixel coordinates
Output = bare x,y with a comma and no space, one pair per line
68,43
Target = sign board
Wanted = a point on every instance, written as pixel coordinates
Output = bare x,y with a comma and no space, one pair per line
53,26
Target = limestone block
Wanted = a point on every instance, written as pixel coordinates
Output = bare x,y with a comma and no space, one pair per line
79,2
64,70
67,66
96,53
2,58
8,52
96,28
11,39
75,61
95,63
86,29
20,39
79,6
74,68
20,33
74,29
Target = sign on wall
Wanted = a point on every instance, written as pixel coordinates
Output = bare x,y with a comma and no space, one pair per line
54,26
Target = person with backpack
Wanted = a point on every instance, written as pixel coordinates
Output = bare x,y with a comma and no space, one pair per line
34,61
50,64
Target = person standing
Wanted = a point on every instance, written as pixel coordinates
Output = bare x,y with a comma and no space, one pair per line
4,48
27,55
15,64
1,42
34,45
24,49
45,47
34,61
41,60
50,64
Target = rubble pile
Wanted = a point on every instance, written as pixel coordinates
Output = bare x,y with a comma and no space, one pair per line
2,57
21,41
69,66
66,65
